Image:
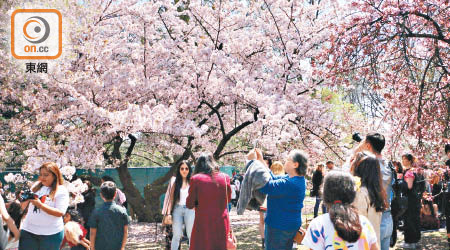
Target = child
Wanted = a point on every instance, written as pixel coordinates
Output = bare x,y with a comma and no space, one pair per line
109,223
342,227
14,210
74,232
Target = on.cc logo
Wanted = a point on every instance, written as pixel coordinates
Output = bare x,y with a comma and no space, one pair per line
36,34
42,25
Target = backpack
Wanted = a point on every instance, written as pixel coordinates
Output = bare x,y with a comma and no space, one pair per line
420,184
399,203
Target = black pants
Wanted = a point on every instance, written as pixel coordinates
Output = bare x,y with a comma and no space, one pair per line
394,233
412,219
446,209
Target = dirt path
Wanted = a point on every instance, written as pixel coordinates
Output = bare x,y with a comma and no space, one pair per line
143,236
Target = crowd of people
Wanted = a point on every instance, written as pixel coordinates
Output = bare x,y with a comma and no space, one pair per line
364,202
41,218
421,189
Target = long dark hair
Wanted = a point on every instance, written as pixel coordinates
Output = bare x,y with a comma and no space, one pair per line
339,193
206,165
430,206
14,210
410,158
398,167
179,180
368,169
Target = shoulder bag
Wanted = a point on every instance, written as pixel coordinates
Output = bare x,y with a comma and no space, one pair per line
231,238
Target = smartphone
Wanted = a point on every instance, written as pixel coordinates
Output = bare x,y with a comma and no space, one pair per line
256,143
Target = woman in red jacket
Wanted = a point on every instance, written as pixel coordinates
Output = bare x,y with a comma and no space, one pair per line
207,195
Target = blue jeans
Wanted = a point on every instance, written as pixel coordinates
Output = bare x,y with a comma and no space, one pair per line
181,215
317,205
386,230
30,241
276,239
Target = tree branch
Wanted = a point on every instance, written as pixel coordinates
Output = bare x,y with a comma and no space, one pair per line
131,147
232,152
233,132
216,111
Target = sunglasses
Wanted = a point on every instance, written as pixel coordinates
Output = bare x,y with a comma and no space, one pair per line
184,169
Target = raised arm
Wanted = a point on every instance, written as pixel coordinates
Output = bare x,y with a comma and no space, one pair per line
8,220
276,187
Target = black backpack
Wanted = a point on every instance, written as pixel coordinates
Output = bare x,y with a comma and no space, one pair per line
399,203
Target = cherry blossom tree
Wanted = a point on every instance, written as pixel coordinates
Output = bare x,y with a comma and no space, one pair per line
177,78
401,50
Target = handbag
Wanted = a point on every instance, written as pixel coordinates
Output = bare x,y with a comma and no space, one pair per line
298,238
231,241
167,219
231,238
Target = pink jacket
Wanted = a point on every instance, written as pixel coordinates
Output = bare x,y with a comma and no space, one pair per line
168,199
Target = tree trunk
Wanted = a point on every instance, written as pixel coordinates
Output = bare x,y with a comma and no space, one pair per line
152,193
147,207
134,198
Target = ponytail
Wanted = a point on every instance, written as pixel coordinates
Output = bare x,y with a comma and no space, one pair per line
339,192
345,220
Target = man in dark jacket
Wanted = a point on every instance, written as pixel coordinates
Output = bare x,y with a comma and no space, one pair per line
316,191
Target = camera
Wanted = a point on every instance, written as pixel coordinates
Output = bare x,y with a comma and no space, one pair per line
357,137
27,194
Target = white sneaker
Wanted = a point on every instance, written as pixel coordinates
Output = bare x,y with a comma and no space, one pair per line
407,245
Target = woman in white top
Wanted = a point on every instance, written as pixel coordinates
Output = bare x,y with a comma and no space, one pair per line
342,227
175,204
43,227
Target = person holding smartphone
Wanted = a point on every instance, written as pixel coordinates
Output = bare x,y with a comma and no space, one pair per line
43,227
